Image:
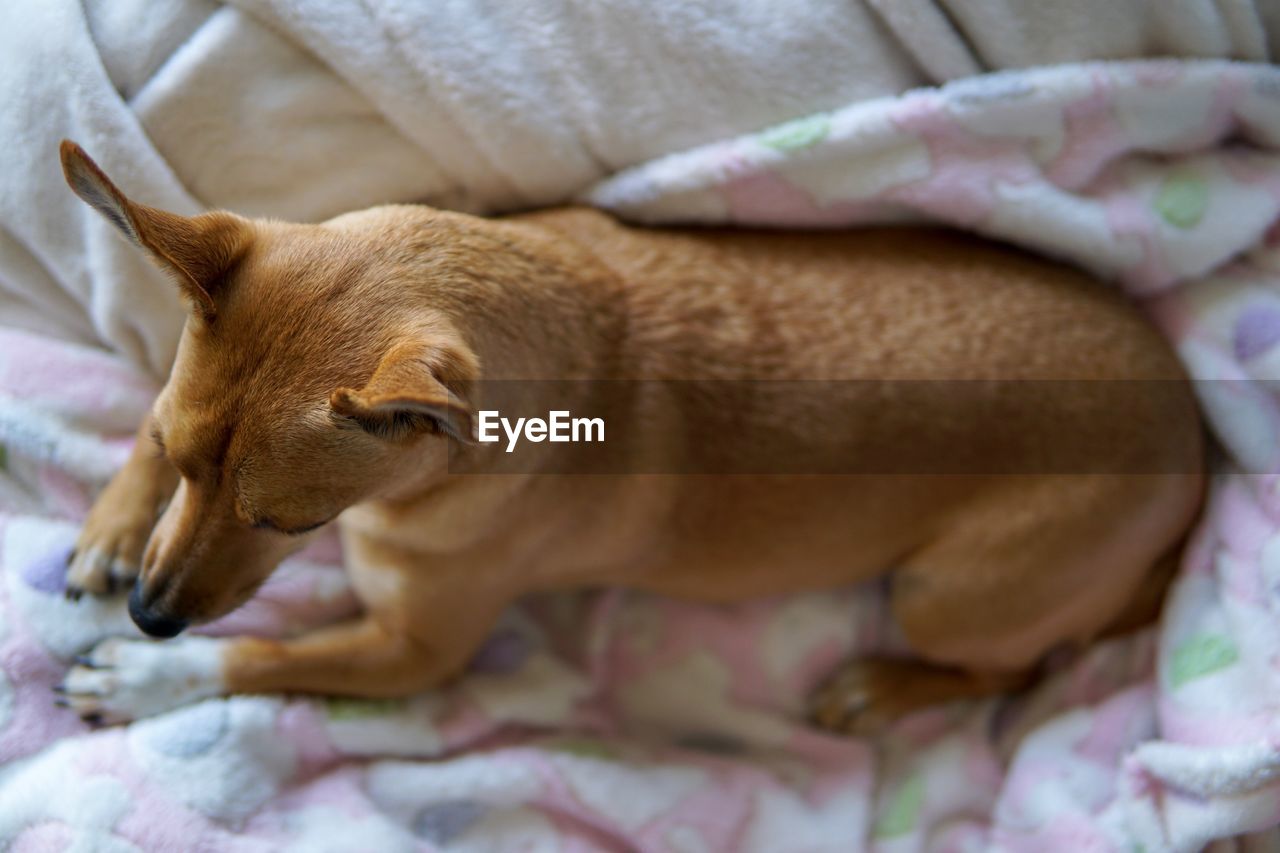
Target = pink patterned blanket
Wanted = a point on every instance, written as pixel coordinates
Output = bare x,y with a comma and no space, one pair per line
619,721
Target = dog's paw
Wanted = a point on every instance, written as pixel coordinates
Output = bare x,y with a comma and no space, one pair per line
865,697
108,554
123,680
859,698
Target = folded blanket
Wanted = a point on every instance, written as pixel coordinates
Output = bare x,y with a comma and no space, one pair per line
305,109
610,721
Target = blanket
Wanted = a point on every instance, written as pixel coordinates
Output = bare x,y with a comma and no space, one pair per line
616,720
613,720
305,109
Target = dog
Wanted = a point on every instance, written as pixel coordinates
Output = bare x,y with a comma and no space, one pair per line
337,371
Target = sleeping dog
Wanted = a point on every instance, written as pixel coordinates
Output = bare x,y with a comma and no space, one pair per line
341,371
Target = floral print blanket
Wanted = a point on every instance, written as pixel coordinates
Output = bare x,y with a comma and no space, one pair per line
621,721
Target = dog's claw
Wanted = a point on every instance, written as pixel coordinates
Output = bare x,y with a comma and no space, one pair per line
121,680
107,556
61,702
58,688
71,558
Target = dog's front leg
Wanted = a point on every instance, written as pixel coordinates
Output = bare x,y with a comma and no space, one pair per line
122,680
382,655
108,553
423,623
361,658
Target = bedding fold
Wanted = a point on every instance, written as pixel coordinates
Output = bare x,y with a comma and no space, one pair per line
613,720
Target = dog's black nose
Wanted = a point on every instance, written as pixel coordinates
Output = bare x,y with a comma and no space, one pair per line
153,624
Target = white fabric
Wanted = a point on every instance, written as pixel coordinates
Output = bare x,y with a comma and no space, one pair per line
307,108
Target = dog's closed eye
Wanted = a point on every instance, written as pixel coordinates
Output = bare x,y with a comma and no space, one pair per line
269,524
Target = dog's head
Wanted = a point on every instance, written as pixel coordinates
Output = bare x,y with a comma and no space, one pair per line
306,381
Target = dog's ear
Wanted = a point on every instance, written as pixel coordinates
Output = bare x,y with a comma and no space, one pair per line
198,250
417,387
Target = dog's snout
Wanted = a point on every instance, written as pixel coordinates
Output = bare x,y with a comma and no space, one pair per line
152,623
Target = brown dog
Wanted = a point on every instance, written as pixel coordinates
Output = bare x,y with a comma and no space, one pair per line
337,371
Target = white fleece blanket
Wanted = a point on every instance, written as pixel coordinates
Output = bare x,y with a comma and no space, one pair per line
616,721
305,109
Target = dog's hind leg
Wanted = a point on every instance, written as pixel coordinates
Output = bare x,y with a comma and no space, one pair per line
1038,564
